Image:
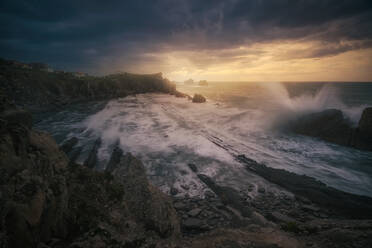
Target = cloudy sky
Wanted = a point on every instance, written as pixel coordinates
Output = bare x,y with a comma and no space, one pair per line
245,40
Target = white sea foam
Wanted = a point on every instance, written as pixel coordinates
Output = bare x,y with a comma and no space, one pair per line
167,133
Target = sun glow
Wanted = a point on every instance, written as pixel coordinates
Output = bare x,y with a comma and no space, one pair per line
280,61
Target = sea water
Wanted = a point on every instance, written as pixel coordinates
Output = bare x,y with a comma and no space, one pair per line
167,133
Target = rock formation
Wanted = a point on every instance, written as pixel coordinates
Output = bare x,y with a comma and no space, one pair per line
203,83
47,202
331,125
34,89
198,98
362,137
189,82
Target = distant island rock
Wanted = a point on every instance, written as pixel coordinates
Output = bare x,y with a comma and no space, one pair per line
189,82
203,83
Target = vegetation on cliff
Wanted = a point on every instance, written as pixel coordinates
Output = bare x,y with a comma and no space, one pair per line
30,86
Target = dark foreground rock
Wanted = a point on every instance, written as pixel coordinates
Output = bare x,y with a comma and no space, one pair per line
198,98
45,202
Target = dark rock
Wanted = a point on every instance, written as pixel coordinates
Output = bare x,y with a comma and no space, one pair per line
362,138
17,117
194,212
228,196
261,190
193,167
69,144
37,89
198,98
144,201
347,204
92,159
193,223
74,154
180,206
173,191
329,125
78,206
365,122
116,155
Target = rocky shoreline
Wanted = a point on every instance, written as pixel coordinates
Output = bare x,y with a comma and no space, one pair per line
47,200
333,126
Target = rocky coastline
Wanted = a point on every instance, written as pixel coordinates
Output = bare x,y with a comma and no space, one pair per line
48,200
331,125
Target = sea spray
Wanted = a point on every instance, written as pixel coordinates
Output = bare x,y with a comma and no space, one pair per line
288,108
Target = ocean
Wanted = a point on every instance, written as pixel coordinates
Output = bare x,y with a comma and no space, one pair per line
168,133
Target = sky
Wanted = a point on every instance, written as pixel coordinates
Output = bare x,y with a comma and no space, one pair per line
216,40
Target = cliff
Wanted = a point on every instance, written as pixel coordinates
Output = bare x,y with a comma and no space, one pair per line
31,86
46,201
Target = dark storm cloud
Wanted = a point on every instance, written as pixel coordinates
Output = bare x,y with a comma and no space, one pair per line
89,34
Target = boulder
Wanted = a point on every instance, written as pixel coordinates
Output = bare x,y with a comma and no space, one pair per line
329,125
198,98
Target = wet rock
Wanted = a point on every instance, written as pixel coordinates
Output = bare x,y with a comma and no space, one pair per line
69,144
192,223
193,167
198,98
194,212
330,125
92,159
74,154
116,155
228,196
173,191
362,138
346,204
